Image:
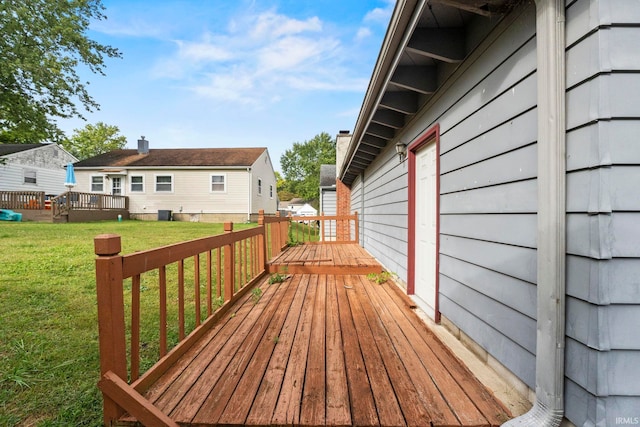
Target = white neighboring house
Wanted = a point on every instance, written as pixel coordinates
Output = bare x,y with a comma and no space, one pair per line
306,210
34,167
197,184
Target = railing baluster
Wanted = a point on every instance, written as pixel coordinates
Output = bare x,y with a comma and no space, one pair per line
209,285
135,327
181,299
218,272
196,273
163,310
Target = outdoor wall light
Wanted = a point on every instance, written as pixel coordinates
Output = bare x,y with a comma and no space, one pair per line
401,149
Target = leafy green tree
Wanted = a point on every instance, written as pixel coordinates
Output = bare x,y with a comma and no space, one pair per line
94,140
42,43
301,164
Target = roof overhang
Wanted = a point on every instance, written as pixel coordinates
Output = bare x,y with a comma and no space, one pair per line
425,42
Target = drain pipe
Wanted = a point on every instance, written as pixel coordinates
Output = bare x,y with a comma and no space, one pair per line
548,409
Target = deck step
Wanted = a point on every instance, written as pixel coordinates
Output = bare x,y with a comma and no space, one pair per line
336,259
336,270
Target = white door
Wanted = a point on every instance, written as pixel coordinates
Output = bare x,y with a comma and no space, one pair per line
426,219
116,186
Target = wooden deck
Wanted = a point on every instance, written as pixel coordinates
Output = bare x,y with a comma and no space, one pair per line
340,259
322,350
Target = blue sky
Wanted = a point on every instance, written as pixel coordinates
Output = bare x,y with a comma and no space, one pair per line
233,73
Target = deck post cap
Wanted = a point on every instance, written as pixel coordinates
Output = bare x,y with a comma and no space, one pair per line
107,244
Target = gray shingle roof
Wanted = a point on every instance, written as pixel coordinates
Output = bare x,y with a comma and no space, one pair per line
327,175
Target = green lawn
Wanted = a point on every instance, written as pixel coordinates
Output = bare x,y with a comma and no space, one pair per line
49,362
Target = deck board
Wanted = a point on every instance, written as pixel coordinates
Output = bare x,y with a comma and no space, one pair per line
322,349
346,258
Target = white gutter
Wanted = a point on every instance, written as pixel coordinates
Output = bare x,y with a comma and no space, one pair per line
548,409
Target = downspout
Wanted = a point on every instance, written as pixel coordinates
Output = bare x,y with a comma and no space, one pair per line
548,409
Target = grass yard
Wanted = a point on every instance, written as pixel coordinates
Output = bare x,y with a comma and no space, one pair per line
49,362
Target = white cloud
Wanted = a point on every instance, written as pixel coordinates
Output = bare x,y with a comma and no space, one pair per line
202,51
363,33
258,57
380,14
273,25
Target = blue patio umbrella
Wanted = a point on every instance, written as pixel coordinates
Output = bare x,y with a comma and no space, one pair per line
70,181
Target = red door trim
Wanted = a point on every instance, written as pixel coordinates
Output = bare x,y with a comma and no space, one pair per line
428,136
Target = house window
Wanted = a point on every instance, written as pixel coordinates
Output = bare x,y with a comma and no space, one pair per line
30,177
259,187
137,184
271,191
218,183
97,184
164,183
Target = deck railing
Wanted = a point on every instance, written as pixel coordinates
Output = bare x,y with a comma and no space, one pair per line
324,228
217,269
174,294
71,200
22,200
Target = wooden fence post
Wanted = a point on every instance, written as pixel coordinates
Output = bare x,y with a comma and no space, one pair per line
111,327
229,265
275,237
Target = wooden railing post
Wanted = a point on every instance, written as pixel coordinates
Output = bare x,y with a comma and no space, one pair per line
262,242
229,265
275,236
111,326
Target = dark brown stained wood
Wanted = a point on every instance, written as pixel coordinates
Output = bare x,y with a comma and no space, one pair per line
217,399
337,406
287,411
218,363
428,374
267,396
336,259
177,381
133,402
320,350
237,409
411,403
494,412
389,411
314,393
363,407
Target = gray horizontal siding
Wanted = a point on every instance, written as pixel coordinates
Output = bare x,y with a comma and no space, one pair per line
514,197
512,166
610,373
510,229
519,131
604,236
603,163
604,189
585,277
519,328
513,261
518,294
606,96
517,359
603,143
